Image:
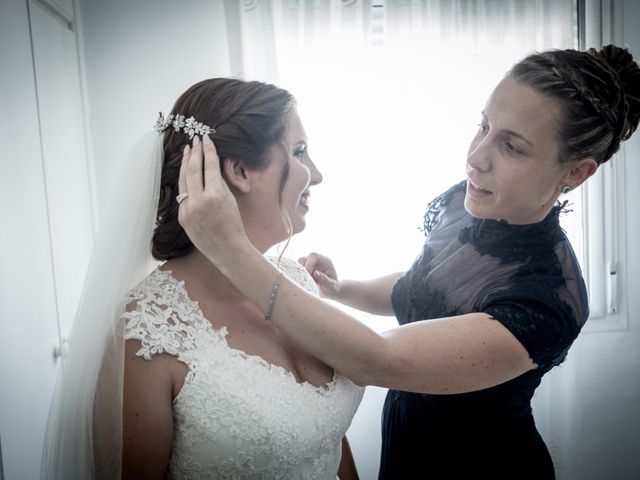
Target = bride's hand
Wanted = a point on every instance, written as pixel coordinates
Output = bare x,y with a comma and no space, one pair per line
209,214
324,273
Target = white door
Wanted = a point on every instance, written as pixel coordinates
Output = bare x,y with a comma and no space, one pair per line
45,221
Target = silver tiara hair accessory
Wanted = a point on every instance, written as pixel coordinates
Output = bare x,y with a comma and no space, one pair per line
179,123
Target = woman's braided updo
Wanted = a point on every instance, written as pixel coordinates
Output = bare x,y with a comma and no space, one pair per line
598,92
248,118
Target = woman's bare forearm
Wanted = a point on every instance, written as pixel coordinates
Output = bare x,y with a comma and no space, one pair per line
443,356
311,322
372,296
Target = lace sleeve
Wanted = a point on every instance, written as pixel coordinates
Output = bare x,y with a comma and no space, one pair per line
539,319
161,317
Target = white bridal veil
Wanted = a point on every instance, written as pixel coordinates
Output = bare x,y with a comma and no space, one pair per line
83,439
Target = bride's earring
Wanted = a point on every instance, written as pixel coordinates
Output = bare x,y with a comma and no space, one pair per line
566,189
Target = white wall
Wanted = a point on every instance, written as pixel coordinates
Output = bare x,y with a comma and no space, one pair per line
139,57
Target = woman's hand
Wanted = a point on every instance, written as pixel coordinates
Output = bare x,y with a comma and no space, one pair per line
324,273
209,214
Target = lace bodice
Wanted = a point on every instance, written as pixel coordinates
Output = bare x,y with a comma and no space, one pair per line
238,416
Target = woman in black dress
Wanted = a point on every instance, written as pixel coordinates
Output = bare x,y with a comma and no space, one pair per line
496,297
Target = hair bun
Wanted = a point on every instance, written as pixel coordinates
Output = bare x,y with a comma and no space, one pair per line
627,69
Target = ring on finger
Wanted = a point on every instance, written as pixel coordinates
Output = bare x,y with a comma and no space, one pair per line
181,197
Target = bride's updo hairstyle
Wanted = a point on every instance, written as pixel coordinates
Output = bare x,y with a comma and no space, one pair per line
248,118
598,92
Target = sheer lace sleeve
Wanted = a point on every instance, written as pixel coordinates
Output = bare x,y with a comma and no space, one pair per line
533,312
162,317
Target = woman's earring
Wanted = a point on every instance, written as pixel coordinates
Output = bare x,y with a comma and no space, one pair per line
566,189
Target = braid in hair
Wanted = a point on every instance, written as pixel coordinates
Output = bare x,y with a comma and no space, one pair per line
591,88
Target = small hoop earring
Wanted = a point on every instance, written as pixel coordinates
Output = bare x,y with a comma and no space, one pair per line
566,189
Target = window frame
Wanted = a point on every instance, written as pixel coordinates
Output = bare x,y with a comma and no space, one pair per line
604,197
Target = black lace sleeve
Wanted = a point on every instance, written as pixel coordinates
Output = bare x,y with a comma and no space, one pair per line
538,318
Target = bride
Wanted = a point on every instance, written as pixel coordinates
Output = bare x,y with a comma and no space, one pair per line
209,389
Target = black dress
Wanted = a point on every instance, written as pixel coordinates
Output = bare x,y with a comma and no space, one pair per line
527,278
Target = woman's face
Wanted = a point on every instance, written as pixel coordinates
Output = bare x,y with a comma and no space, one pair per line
267,211
513,171
302,174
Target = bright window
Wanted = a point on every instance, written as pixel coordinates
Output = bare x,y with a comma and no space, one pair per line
391,97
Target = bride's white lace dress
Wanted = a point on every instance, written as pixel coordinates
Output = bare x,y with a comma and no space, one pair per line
237,416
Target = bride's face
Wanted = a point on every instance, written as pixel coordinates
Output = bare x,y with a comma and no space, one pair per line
303,174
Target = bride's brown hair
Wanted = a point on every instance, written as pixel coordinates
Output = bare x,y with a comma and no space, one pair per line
248,117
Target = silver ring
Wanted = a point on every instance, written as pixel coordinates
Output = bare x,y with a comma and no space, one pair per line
181,197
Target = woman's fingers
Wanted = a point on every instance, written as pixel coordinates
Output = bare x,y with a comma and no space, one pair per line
210,214
194,169
322,279
310,262
182,179
322,270
316,262
192,180
212,175
329,287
